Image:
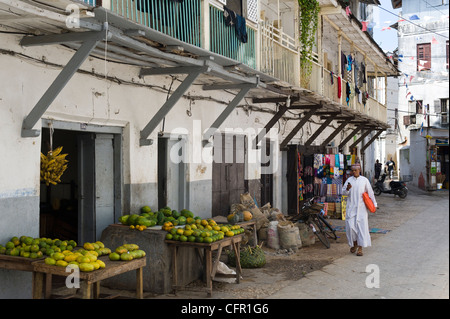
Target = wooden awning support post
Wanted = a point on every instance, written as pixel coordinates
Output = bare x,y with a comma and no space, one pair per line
297,128
89,40
363,149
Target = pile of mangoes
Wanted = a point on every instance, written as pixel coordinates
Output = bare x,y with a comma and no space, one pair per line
148,218
29,247
85,259
202,231
127,252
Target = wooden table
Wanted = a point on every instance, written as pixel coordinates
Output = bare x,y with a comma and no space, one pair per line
25,264
210,267
251,223
113,268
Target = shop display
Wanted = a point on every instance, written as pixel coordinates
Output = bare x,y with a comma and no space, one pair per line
127,252
203,231
53,166
323,176
85,260
29,247
147,218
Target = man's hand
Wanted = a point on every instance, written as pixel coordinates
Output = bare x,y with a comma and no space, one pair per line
349,186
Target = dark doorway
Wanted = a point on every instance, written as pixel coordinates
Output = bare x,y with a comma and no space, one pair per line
266,174
88,197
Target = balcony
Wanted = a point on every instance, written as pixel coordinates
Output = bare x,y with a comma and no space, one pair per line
269,49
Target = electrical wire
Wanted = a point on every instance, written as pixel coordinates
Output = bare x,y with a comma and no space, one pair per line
417,25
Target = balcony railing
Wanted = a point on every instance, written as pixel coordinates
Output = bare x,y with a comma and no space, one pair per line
180,20
279,56
224,41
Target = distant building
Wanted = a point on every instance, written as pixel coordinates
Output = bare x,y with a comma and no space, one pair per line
423,56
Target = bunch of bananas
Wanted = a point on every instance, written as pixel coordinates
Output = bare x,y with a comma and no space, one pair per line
53,166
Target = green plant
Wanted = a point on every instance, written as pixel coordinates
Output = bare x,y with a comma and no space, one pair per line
309,20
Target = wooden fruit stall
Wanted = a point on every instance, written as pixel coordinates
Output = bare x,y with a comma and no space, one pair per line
25,264
157,274
204,252
92,287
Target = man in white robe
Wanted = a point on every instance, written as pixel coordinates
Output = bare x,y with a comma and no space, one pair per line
356,217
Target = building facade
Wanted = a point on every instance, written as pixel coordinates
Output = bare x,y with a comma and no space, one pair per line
170,104
423,92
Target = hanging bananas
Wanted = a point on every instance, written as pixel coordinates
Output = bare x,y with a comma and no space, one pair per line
53,166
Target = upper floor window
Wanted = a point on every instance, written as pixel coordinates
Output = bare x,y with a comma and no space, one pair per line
444,111
447,55
424,56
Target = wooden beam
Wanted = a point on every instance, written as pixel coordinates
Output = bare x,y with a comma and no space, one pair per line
361,138
350,136
371,141
302,122
318,131
334,134
270,124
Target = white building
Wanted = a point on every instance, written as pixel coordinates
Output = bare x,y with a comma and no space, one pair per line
128,93
424,90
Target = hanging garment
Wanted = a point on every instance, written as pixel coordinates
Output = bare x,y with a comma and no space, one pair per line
229,16
332,77
339,87
343,63
348,92
363,71
241,28
349,62
356,219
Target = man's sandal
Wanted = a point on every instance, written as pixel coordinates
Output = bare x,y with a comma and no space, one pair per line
359,252
353,250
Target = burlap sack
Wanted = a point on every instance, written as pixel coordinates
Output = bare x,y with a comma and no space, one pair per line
249,203
288,235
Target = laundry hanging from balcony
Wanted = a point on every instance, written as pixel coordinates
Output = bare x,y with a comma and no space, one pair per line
239,23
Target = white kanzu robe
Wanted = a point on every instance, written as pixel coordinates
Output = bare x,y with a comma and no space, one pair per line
356,217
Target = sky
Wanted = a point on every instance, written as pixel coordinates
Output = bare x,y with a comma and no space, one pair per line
386,39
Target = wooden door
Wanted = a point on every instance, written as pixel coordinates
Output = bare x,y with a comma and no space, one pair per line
266,177
228,172
292,179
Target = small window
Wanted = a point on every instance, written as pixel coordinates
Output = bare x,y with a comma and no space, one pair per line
419,107
444,111
447,55
424,56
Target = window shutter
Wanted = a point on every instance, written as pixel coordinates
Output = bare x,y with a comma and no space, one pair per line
437,106
423,56
252,10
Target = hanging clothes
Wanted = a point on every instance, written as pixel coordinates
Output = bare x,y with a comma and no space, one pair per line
363,72
348,92
339,87
343,63
241,28
229,16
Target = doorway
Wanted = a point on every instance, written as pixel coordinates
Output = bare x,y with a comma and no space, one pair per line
228,175
172,181
266,174
88,198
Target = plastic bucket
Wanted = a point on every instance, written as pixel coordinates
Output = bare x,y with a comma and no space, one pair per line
439,186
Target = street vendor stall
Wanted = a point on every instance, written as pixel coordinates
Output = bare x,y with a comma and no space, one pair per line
91,289
204,252
157,274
